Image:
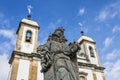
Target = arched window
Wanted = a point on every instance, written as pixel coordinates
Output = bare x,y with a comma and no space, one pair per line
82,78
83,75
28,36
91,51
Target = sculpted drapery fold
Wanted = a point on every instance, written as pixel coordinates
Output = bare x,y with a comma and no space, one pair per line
58,60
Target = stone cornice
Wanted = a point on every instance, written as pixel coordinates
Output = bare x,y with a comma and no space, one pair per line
92,66
83,73
21,54
25,24
87,41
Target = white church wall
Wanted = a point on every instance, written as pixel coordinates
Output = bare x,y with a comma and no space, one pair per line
10,71
93,60
25,46
82,49
39,75
23,70
99,76
89,73
80,60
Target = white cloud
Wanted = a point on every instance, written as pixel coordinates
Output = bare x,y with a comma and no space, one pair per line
108,65
108,41
8,37
42,40
115,71
7,41
4,67
44,34
116,29
5,47
103,15
4,22
7,33
10,34
6,44
112,64
53,25
112,70
109,12
113,55
81,11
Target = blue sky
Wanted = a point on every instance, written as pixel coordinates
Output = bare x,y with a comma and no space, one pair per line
100,19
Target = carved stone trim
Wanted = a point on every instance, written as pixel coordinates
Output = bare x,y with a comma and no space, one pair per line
80,56
25,24
21,54
87,41
84,76
83,73
36,41
93,66
33,70
13,75
103,76
94,76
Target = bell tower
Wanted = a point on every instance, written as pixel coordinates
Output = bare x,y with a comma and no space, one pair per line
24,61
88,48
27,36
89,64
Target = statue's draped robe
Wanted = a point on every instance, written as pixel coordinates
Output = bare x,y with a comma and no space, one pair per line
58,60
62,66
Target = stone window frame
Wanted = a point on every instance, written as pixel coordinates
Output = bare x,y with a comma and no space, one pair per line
91,51
30,37
84,78
83,74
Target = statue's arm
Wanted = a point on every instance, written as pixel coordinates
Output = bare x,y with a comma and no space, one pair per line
45,57
74,47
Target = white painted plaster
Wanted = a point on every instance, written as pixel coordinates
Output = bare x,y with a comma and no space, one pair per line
93,60
85,38
82,49
26,46
80,60
39,74
89,72
99,76
10,71
30,22
23,70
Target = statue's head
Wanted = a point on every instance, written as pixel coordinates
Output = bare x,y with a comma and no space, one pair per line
59,32
58,35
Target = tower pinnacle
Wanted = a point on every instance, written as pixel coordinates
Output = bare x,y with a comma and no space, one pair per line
81,28
29,11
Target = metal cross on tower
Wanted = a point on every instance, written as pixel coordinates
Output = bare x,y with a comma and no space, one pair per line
29,11
81,28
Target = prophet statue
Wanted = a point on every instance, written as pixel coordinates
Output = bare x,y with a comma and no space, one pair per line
58,59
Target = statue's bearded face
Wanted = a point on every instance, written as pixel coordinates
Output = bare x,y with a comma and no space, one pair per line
59,33
55,38
58,36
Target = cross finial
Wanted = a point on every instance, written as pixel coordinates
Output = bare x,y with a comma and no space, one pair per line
29,11
81,28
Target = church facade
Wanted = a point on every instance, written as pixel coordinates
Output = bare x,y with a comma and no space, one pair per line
25,61
88,60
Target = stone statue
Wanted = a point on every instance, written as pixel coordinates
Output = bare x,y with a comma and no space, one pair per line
58,60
